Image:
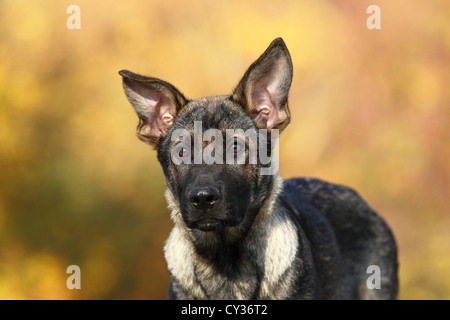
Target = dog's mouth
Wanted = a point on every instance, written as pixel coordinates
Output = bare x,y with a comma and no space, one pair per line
208,224
205,207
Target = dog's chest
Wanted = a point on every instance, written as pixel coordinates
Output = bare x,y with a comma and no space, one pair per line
263,270
240,279
195,278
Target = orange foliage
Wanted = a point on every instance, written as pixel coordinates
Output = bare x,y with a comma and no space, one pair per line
370,109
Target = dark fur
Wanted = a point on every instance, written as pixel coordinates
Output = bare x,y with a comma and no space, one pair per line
240,234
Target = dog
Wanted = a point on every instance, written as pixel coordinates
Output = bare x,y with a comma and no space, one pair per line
241,231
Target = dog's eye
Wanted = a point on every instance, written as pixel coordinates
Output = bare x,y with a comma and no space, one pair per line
236,147
183,151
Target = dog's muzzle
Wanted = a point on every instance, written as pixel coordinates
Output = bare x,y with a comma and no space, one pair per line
203,198
205,208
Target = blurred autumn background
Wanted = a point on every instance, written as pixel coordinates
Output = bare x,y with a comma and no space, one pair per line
370,109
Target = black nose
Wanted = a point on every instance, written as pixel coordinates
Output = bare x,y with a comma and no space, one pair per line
203,197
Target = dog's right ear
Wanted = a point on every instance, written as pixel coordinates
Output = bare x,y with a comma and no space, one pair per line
156,103
264,89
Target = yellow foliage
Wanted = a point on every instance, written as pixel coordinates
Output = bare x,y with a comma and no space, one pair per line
370,109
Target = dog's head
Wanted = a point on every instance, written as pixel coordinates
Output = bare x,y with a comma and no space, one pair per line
214,150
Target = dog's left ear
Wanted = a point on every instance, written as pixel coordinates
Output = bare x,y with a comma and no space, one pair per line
156,103
264,89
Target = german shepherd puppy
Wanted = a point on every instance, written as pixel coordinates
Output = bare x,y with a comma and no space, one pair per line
239,231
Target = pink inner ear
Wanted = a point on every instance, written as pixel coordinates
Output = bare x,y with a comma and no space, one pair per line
167,119
264,105
158,117
268,114
266,95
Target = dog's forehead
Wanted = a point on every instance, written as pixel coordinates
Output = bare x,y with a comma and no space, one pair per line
214,112
208,103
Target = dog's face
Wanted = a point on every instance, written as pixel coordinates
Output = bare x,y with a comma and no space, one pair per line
217,194
213,150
